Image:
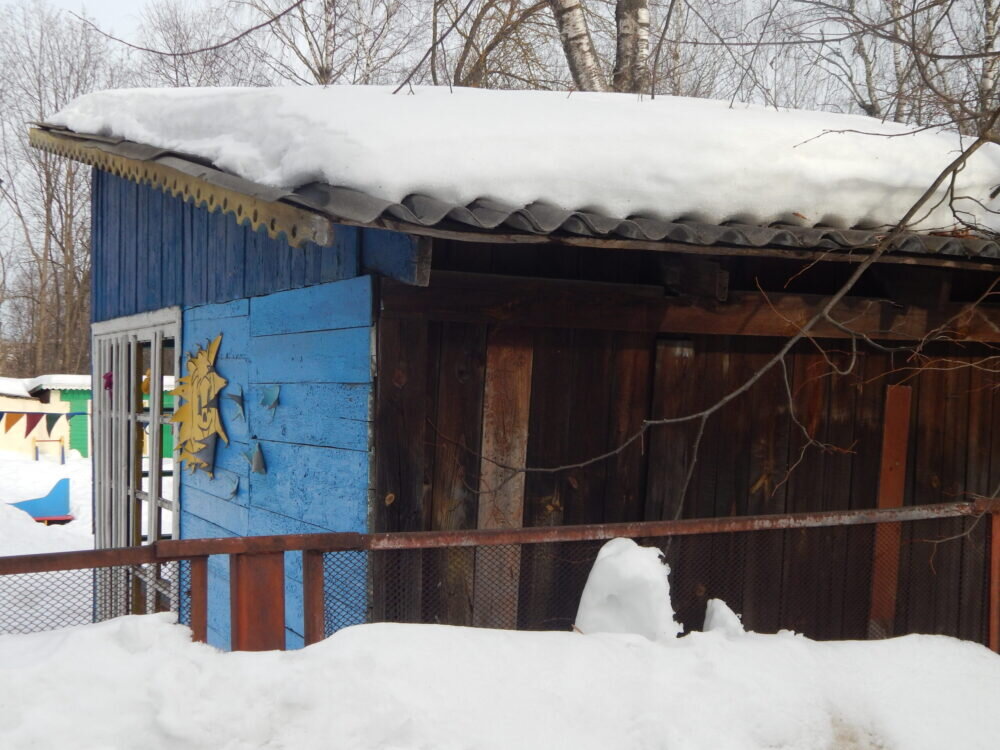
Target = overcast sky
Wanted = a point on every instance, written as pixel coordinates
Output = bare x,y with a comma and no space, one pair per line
118,17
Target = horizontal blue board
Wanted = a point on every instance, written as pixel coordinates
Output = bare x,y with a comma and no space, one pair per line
341,304
325,487
223,484
193,527
223,513
152,250
333,415
342,356
235,332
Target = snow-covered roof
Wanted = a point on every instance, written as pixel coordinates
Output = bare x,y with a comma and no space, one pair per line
58,383
613,154
13,387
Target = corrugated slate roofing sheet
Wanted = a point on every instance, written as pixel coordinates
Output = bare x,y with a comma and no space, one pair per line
488,216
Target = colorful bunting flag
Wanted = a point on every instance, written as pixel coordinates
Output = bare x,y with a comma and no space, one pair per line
31,421
11,419
51,420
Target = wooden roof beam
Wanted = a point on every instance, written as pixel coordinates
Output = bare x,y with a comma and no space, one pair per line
549,303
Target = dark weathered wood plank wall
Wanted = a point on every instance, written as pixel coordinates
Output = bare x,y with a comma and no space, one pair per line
592,387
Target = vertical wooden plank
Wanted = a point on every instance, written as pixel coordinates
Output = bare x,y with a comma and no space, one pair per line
457,435
973,622
403,463
801,596
189,286
403,501
631,395
235,259
680,387
313,608
930,571
767,469
588,426
544,494
506,405
199,599
97,262
868,425
831,577
730,434
994,596
891,486
145,245
257,601
669,445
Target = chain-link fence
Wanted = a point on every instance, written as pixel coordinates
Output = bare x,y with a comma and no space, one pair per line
841,575
829,582
33,602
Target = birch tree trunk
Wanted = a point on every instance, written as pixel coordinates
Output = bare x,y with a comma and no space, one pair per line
631,63
581,56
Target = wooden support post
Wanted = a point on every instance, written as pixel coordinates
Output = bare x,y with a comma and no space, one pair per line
257,601
506,402
199,599
891,487
994,562
313,601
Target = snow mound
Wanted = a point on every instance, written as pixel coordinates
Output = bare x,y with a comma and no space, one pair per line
620,155
628,592
22,478
20,534
139,682
721,619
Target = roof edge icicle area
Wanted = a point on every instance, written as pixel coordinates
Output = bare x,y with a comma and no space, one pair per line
305,213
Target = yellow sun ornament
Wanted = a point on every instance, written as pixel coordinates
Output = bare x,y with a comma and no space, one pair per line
198,415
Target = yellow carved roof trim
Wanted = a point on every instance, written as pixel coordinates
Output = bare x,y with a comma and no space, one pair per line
299,225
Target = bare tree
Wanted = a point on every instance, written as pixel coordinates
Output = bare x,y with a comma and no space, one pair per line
46,60
178,26
334,41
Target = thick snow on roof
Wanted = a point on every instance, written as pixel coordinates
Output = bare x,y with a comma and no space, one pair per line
620,155
58,383
13,387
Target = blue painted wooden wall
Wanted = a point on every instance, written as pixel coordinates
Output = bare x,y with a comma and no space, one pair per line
298,318
152,250
315,344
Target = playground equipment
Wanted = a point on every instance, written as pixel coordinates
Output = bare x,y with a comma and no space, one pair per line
59,441
53,508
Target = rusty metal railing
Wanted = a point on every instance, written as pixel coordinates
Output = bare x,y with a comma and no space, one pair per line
497,577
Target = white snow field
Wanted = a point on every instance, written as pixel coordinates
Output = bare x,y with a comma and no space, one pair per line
139,682
32,599
23,479
618,154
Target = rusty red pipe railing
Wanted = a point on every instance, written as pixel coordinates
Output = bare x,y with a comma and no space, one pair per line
257,564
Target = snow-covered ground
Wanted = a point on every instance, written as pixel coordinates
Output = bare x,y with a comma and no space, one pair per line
139,682
623,155
29,601
23,479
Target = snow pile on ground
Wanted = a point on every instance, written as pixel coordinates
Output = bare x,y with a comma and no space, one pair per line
38,600
627,592
140,682
20,534
22,478
621,155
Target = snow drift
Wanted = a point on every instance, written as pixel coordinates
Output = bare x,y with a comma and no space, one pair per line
140,682
621,155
